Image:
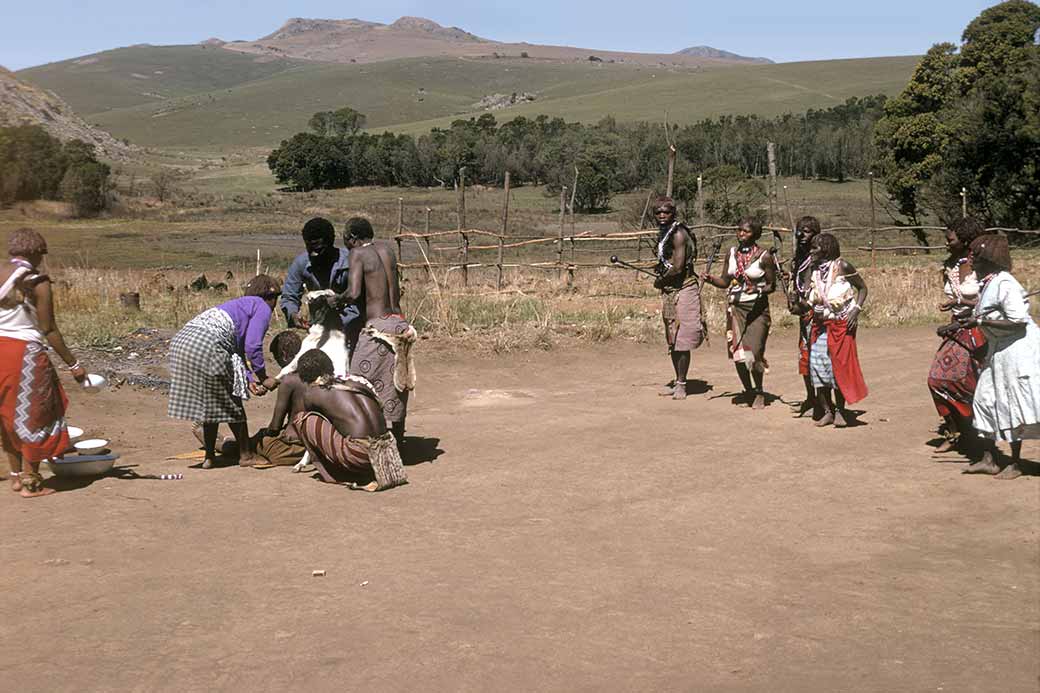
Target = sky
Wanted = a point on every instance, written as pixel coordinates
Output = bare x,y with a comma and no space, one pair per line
34,33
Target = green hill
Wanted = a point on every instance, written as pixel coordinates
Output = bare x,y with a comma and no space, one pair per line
126,77
223,100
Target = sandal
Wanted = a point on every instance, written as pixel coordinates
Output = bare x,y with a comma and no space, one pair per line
32,485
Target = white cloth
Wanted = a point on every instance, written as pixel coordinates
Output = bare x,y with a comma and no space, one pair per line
1007,398
754,273
17,314
960,290
831,295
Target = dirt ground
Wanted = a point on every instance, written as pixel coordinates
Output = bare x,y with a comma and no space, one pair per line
564,529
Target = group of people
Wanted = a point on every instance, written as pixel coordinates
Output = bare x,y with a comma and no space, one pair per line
827,294
348,426
346,415
985,378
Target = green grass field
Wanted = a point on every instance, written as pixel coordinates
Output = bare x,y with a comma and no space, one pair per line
218,100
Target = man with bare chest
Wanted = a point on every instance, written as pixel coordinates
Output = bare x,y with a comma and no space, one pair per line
383,352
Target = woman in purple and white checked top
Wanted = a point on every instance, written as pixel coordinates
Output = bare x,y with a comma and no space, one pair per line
217,361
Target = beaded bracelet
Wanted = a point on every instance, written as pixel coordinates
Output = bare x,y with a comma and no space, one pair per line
74,366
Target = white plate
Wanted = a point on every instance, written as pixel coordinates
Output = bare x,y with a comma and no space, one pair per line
74,432
91,444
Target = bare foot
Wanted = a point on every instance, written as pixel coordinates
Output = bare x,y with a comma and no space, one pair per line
371,486
986,465
839,420
41,491
667,391
1012,471
247,459
16,483
208,463
759,403
680,391
827,420
946,446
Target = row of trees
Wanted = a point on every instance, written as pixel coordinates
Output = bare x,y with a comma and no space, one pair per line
39,166
610,157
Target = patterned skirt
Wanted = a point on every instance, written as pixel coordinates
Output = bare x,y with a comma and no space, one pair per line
32,402
208,375
955,372
820,367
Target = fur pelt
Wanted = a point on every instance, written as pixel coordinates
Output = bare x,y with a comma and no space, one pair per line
325,333
401,344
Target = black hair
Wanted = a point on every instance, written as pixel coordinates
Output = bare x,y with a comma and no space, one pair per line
285,346
967,230
313,364
829,245
809,224
754,224
319,227
360,228
263,286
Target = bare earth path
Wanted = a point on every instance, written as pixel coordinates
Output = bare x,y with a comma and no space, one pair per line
565,540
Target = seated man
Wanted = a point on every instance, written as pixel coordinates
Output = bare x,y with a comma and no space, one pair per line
343,427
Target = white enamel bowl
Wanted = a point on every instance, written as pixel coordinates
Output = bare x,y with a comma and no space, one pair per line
91,446
74,432
94,382
82,465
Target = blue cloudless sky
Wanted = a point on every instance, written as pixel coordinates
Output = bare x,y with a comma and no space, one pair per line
33,33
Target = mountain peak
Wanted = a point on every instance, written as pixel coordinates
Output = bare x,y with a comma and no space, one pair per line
428,26
710,52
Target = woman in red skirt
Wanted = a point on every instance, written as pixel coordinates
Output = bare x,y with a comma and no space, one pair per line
32,401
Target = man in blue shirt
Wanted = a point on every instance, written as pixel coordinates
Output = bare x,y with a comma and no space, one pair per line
323,266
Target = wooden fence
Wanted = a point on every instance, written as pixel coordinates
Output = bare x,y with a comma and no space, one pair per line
482,249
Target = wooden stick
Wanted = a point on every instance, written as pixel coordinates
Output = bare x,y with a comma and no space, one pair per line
499,266
400,214
671,169
700,200
258,262
465,259
771,156
646,208
505,208
426,238
574,190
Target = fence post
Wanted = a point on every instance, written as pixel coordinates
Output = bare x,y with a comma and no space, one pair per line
563,220
461,199
646,208
639,248
964,203
574,191
426,240
873,224
499,283
465,260
505,231
400,214
700,200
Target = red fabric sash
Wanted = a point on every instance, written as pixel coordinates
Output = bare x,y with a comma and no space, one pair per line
32,401
841,344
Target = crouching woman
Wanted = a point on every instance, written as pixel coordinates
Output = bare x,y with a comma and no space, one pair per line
208,371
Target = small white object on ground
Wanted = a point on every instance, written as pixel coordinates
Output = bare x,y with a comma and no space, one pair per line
365,583
94,382
165,477
74,432
317,573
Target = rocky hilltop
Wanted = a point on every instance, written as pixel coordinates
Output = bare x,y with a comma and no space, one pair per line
24,104
709,52
360,41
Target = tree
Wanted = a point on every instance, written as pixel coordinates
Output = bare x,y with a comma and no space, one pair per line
307,161
342,123
911,137
34,164
85,187
731,196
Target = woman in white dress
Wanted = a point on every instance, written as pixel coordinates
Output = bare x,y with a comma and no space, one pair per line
1007,398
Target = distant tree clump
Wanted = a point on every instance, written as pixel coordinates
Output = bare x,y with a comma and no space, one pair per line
38,166
971,120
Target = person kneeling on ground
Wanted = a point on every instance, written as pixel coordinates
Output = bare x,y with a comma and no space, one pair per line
343,428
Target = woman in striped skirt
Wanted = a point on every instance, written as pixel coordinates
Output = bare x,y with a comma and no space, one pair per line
217,361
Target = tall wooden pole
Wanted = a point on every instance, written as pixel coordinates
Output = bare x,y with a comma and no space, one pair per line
400,214
574,191
964,203
646,208
771,154
426,240
873,224
461,199
671,169
505,231
700,200
563,220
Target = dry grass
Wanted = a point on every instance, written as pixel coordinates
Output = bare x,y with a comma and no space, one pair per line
532,312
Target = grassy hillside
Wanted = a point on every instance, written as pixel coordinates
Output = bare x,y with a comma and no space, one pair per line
221,100
127,77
